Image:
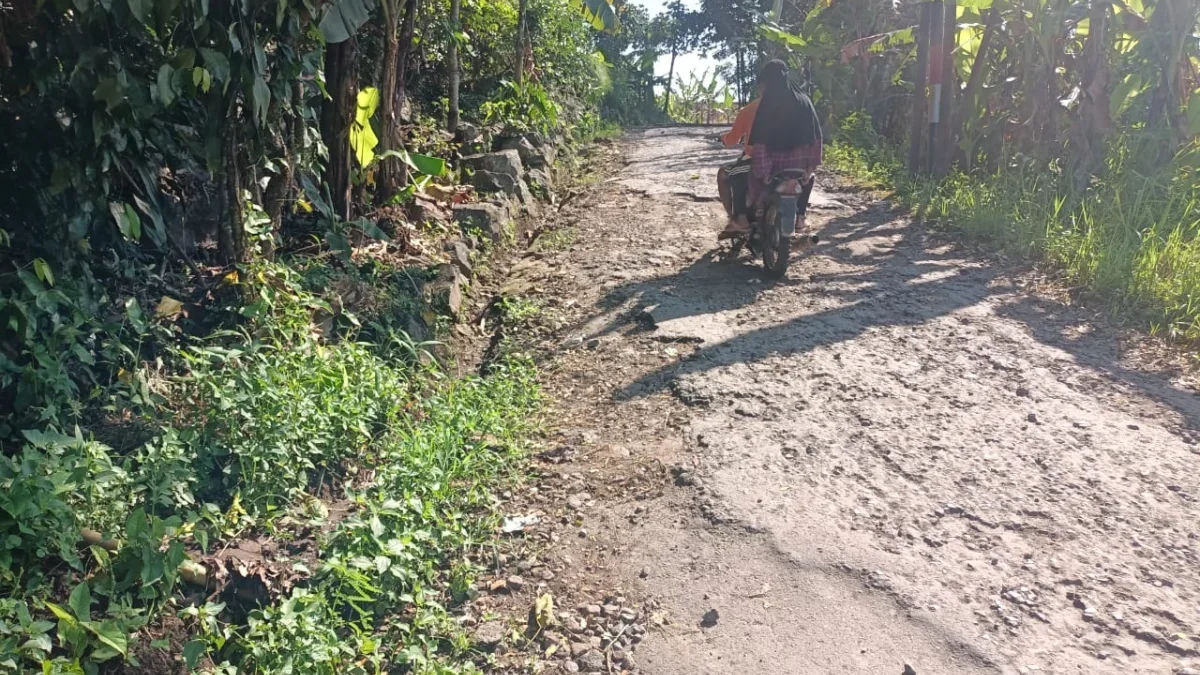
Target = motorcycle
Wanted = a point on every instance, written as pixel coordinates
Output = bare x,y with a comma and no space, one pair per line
771,233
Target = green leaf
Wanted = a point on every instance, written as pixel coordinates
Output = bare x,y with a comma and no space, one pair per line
362,137
111,635
134,310
110,91
81,602
372,230
62,614
430,166
344,18
43,271
192,652
1123,93
128,221
201,79
600,13
38,643
216,64
166,88
262,100
185,59
141,9
1193,115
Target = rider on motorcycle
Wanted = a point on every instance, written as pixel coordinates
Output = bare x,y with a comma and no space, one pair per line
733,179
785,135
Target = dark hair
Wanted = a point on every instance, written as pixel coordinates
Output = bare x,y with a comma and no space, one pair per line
786,118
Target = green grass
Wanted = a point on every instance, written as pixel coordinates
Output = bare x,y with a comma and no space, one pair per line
250,433
1129,239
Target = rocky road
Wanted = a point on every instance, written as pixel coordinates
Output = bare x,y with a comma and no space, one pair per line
904,454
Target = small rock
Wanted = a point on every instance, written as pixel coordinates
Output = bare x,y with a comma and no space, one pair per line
908,670
710,618
593,610
579,648
460,255
571,667
490,634
629,615
1133,427
610,610
491,220
515,583
644,573
1023,392
1033,418
593,344
684,478
591,661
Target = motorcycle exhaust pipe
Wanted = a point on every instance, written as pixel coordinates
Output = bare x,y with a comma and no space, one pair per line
807,242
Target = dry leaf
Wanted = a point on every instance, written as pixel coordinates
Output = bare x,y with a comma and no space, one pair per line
544,610
168,307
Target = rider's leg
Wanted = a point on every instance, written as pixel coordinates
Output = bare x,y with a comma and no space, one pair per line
723,190
802,205
738,177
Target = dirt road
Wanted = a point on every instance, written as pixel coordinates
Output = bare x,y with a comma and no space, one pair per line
901,454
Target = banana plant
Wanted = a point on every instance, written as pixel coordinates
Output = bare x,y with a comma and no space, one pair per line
601,14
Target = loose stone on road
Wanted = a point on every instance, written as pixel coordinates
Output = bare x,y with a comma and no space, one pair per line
899,459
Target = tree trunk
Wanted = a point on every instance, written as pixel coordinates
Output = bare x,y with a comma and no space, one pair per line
918,105
947,138
670,79
407,32
279,189
336,116
1094,119
452,64
387,178
233,186
741,92
522,8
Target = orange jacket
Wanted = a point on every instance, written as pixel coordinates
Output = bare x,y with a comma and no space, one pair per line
742,126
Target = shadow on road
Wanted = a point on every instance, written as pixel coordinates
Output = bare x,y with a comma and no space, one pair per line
886,275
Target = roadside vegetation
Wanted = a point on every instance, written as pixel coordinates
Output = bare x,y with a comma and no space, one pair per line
1072,137
234,240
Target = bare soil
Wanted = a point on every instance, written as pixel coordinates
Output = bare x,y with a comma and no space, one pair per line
903,454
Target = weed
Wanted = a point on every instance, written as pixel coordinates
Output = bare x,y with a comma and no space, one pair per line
518,310
1129,237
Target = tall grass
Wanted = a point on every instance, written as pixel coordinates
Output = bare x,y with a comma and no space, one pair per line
1128,237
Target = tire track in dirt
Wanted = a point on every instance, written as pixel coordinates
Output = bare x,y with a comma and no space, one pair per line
897,455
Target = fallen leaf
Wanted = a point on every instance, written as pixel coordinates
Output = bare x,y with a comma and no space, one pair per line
543,609
168,307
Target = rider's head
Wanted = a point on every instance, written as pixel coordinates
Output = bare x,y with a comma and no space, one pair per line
773,77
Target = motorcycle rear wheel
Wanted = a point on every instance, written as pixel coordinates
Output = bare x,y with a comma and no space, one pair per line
776,248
